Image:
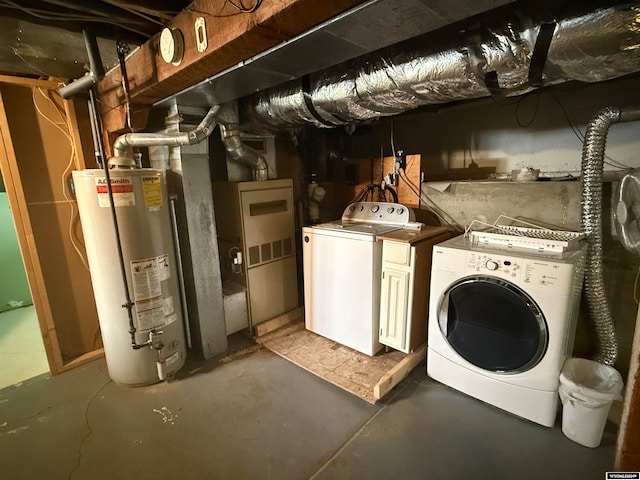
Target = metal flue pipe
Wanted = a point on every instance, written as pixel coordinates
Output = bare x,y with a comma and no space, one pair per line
139,139
225,117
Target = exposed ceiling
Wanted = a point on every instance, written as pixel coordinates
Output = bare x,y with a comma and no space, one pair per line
368,27
44,37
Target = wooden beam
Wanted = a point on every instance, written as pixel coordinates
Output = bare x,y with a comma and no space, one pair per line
83,359
231,37
399,371
30,82
279,321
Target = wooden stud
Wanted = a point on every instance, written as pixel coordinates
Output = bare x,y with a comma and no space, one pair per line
18,204
399,372
27,213
279,321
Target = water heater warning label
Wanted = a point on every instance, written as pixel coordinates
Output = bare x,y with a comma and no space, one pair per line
152,310
122,189
152,192
146,279
149,319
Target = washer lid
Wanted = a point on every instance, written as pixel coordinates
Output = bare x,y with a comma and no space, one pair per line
360,228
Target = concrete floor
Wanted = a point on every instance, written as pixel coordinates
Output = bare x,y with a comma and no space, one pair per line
260,417
22,352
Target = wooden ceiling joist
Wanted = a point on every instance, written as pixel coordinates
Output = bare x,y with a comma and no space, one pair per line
232,37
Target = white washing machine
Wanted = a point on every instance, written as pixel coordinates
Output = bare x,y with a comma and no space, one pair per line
502,322
342,264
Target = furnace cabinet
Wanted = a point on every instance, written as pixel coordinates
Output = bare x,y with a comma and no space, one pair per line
256,233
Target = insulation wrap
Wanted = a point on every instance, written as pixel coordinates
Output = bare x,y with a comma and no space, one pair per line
597,46
592,170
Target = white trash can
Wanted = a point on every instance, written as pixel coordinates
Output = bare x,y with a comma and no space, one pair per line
587,389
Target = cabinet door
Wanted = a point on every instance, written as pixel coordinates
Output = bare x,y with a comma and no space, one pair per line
394,308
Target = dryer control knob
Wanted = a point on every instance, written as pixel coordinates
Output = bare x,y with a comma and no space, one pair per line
491,265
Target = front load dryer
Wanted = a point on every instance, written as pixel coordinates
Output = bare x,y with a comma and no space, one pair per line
502,322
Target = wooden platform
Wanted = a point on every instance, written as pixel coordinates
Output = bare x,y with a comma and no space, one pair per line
369,378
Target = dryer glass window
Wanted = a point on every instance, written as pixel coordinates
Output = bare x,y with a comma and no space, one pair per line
493,324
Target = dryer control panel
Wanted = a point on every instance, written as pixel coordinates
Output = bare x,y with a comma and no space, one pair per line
529,272
485,263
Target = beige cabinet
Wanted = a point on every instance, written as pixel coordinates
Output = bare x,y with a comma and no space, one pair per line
404,292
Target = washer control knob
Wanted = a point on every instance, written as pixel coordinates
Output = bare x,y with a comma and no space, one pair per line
390,210
400,211
375,208
491,265
360,208
352,208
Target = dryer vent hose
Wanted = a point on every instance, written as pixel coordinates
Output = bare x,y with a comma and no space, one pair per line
592,170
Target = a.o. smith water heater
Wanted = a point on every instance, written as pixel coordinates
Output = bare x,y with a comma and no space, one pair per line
144,222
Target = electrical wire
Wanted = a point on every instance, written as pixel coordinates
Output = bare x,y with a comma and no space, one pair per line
442,216
472,142
578,133
141,14
72,157
139,9
240,9
244,9
17,53
635,286
47,15
393,147
535,111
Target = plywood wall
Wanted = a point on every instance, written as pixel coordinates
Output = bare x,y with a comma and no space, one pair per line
372,171
37,160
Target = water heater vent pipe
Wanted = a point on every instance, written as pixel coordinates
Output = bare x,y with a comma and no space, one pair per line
140,139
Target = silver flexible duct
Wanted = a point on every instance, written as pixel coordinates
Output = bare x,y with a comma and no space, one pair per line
594,47
592,169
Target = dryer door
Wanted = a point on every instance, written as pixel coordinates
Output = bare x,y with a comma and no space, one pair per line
493,324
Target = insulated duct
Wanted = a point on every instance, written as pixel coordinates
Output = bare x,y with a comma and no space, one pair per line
512,58
592,170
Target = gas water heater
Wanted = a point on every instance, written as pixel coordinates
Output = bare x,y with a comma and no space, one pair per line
146,236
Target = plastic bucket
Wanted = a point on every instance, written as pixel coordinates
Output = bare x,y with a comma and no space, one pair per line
587,389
